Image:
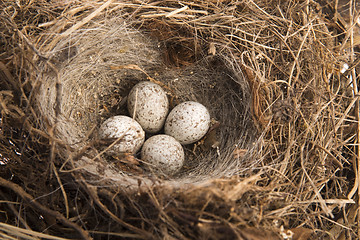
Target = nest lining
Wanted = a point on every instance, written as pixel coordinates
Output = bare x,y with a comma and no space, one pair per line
98,65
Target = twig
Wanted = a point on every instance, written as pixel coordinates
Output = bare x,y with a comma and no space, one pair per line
296,60
315,189
166,217
62,189
357,113
17,214
91,190
86,19
32,47
117,234
26,233
46,211
8,76
135,105
176,11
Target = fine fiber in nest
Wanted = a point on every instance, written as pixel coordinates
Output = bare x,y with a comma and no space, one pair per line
94,69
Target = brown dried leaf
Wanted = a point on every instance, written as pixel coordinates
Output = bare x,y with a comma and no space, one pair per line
258,234
301,233
212,49
239,152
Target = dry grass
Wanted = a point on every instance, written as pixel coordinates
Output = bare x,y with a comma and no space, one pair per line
295,172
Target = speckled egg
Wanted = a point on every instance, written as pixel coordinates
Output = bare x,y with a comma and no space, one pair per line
131,134
150,105
188,122
163,154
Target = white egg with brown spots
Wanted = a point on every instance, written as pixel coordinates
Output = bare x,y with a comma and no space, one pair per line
148,105
126,131
188,122
163,154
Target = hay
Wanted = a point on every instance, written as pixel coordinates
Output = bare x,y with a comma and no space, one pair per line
270,74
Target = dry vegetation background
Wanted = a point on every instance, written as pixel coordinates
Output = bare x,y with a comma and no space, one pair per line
299,177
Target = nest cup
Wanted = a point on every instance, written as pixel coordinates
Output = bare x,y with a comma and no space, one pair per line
95,67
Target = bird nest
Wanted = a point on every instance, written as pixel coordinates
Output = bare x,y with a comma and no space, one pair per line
280,154
95,68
